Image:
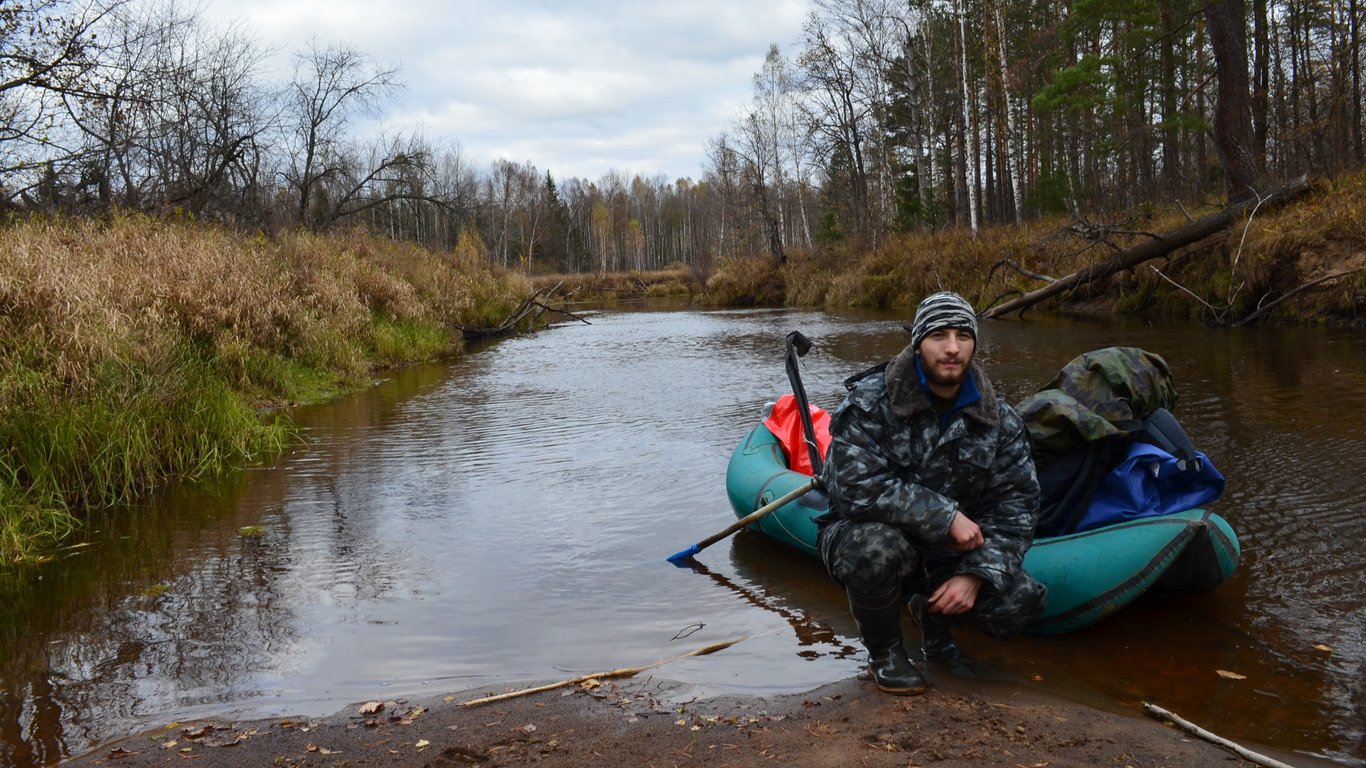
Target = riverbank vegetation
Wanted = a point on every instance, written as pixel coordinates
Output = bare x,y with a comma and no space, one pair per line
134,350
1304,262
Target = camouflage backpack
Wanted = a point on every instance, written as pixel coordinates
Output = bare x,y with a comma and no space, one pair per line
1083,422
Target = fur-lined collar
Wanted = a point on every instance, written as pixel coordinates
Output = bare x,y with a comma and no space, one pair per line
909,398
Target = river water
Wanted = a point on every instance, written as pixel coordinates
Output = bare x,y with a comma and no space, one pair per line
505,517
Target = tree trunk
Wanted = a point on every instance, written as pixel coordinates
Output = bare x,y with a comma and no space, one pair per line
1171,135
970,175
1232,113
1261,80
1354,52
1012,158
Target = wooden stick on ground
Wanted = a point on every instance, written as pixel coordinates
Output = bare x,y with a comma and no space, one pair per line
624,672
1196,730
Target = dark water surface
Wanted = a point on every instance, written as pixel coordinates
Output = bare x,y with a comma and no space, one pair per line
505,518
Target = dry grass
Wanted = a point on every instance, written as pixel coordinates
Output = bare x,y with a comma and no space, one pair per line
674,281
136,350
757,281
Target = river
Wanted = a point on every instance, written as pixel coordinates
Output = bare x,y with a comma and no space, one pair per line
505,517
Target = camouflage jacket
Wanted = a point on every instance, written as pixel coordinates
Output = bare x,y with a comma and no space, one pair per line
890,461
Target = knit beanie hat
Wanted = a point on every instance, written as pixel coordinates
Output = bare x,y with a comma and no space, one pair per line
942,310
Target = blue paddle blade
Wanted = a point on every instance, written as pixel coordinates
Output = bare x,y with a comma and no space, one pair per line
680,558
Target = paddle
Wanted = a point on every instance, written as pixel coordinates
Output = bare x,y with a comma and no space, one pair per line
797,346
680,558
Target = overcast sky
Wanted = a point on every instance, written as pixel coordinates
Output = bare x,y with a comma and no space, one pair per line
576,87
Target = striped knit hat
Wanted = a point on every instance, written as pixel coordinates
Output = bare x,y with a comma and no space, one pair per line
942,310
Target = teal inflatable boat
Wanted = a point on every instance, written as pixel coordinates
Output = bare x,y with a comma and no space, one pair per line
1089,575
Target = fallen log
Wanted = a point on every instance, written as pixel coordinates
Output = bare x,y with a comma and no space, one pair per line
1161,245
533,307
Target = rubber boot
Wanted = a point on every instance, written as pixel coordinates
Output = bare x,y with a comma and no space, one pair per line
879,622
937,638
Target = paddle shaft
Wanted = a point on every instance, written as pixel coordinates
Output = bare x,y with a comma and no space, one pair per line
791,496
797,346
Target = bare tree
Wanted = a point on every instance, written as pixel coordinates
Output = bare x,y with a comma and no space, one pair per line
384,171
759,140
46,47
331,86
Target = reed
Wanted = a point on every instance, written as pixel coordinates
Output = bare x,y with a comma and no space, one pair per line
134,351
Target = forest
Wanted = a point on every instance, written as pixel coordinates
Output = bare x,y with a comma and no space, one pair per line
885,117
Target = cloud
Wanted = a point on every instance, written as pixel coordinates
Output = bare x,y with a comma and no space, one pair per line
575,88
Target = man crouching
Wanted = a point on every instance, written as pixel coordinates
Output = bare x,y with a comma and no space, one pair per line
933,498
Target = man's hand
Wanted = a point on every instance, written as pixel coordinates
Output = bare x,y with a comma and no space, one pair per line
957,595
964,535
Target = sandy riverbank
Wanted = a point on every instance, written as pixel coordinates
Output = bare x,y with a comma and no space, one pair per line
959,723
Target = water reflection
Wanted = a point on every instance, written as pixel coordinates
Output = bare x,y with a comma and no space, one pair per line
505,518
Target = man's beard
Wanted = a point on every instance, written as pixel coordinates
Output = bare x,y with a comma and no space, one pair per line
950,380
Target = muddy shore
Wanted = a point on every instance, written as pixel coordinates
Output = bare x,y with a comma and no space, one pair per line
959,723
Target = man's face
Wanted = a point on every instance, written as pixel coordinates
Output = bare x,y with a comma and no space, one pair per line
944,356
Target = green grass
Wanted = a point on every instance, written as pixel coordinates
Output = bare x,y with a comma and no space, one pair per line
135,428
398,341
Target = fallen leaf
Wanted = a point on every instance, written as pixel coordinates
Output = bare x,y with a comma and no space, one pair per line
449,699
326,751
422,743
372,707
528,728
1037,678
169,744
118,752
1324,648
1230,675
311,748
250,530
590,683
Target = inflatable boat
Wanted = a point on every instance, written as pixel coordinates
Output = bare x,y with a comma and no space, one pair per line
1089,575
